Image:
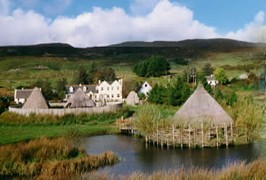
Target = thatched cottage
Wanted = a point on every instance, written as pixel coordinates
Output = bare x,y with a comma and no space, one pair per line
202,108
35,100
132,98
200,122
80,100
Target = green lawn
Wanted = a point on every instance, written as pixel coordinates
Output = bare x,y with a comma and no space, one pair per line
13,134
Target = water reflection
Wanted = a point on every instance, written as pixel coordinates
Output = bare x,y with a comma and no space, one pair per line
136,157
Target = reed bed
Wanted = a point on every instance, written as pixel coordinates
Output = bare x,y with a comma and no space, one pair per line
14,119
239,170
49,157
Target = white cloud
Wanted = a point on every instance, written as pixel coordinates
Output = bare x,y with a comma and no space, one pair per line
254,31
166,21
23,28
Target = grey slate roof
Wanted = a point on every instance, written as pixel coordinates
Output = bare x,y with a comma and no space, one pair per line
23,93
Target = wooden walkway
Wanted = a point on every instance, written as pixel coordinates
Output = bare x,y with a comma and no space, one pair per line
126,126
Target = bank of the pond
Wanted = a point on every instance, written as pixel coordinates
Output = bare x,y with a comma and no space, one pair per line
137,157
239,170
50,157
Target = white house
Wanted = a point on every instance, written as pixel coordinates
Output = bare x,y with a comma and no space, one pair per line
110,91
145,88
21,95
211,80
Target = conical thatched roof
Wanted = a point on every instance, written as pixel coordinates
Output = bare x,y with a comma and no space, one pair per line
201,108
80,100
132,98
35,100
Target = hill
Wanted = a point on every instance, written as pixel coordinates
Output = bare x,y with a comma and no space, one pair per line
131,50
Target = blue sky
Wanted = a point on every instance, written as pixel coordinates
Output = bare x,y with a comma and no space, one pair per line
86,23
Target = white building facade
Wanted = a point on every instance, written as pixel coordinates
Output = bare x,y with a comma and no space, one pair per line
109,91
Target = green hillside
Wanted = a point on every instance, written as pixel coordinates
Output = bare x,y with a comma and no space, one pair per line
22,65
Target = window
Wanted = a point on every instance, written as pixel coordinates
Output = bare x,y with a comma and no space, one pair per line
117,88
102,88
107,88
112,88
112,96
118,95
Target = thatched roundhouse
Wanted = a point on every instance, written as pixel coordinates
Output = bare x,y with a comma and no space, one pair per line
200,122
80,100
202,108
35,100
132,98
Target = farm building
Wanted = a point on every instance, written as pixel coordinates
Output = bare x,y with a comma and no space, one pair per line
211,80
21,95
200,122
145,88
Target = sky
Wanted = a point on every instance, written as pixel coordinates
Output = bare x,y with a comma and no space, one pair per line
88,23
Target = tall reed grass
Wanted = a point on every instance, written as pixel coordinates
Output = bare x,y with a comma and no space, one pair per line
9,118
49,157
255,170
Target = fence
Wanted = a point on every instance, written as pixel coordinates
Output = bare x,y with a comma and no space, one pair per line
61,112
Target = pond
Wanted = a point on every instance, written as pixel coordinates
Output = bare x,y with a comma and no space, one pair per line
136,156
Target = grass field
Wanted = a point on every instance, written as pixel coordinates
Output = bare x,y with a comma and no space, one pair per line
14,134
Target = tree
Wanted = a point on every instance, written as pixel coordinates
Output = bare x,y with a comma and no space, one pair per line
60,88
153,67
4,103
156,94
206,85
46,88
190,74
82,76
172,94
207,69
231,99
220,75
